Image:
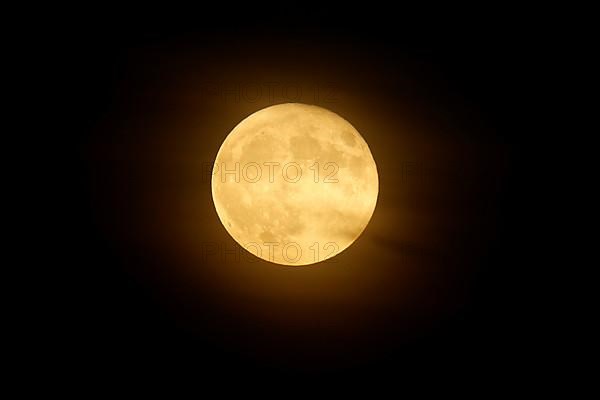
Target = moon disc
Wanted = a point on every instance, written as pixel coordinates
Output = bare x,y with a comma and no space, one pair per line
294,184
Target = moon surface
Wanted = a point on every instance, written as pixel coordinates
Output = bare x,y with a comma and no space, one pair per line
294,184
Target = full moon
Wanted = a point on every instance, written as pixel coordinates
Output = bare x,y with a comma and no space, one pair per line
294,184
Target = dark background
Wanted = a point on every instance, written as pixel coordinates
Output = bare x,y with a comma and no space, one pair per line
434,284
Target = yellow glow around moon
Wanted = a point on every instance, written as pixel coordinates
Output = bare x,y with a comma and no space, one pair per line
294,184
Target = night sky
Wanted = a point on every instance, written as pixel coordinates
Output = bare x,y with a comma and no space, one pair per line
433,284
